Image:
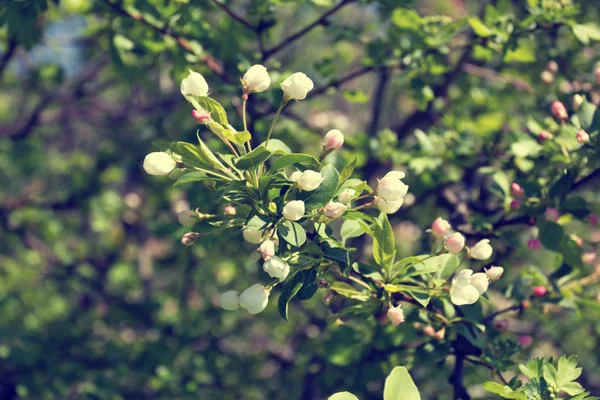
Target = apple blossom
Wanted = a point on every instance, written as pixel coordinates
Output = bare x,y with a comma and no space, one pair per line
539,291
439,335
391,188
395,315
589,257
494,273
294,176
593,219
252,236
440,227
189,238
525,340
309,180
558,110
547,77
534,244
230,210
516,190
346,196
455,243
256,79
552,66
159,163
577,101
582,136
334,209
429,330
296,86
482,250
333,140
194,84
544,135
267,249
467,287
276,268
577,239
551,214
229,300
515,204
294,210
187,218
597,75
254,299
388,207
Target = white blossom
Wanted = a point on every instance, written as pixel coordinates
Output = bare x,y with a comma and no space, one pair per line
467,287
455,243
254,299
276,268
229,300
267,249
333,140
391,188
346,196
388,207
194,84
334,209
187,218
294,210
297,86
252,236
482,250
309,180
257,79
159,163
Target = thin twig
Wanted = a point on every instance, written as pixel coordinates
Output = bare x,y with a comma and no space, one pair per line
10,51
233,15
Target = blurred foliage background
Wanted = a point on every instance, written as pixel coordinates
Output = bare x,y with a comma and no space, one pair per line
98,298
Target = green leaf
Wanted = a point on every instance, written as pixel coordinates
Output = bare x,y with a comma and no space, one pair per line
295,158
216,110
230,134
589,117
276,146
292,233
400,386
551,235
191,177
324,193
351,229
405,18
503,391
563,185
253,159
347,172
259,222
346,290
290,288
309,288
384,246
343,396
479,27
420,297
585,32
340,256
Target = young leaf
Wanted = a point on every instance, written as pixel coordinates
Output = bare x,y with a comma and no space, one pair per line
191,177
290,289
340,256
400,386
292,233
347,172
351,229
216,110
253,159
295,158
551,235
384,246
342,396
346,290
309,288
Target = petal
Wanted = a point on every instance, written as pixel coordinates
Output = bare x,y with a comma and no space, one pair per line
480,282
463,295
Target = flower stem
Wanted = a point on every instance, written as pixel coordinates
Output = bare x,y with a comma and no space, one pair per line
284,101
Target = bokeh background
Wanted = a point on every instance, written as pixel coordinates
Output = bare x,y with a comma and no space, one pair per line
98,298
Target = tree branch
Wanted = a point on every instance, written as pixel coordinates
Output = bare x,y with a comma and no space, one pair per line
588,179
233,15
10,51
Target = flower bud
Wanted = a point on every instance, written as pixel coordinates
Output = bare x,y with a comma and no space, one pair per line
494,273
515,204
582,136
323,282
534,244
309,180
589,257
501,324
230,210
592,219
194,84
294,176
267,249
480,281
391,188
439,335
597,75
159,163
254,299
388,207
577,239
256,79
552,66
201,116
294,210
252,236
551,214
334,139
544,135
297,86
229,300
558,110
525,340
189,238
516,190
428,330
187,218
525,304
440,227
455,243
276,268
482,250
346,196
547,77
334,209
539,291
577,101
395,315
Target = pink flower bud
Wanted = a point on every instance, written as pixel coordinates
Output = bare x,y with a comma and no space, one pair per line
189,238
440,227
592,219
267,249
577,239
544,135
455,243
552,66
597,75
395,315
525,340
534,244
588,258
439,335
501,324
428,330
551,214
334,209
515,204
539,291
582,136
229,210
558,110
334,139
516,190
525,304
494,273
201,116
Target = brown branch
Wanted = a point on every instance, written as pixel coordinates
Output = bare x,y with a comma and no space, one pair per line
10,51
319,21
588,179
516,307
233,15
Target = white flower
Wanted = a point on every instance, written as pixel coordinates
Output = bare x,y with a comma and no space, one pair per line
309,180
159,163
294,210
334,209
297,86
267,249
391,188
467,287
229,300
194,84
294,176
455,243
276,268
388,207
187,218
257,78
395,315
346,196
494,273
482,250
254,299
333,140
252,236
